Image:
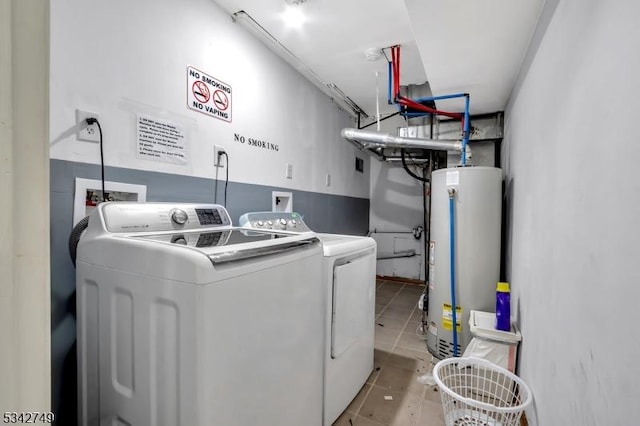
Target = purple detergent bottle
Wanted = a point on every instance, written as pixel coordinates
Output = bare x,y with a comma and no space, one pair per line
503,307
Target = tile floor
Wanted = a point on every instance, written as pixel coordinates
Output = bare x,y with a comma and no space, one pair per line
400,357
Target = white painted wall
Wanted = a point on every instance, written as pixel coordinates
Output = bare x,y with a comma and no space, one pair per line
570,160
120,58
25,305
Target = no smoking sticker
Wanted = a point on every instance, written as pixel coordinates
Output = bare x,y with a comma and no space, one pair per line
208,95
221,100
200,91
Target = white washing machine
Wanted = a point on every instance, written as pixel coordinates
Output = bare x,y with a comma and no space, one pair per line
185,320
349,269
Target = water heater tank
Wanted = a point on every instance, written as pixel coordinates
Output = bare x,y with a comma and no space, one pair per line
477,215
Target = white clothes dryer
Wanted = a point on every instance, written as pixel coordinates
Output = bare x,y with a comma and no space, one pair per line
185,320
349,269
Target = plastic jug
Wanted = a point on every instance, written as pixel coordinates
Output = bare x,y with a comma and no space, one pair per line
503,307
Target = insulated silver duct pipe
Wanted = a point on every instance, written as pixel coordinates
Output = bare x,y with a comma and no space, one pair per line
388,141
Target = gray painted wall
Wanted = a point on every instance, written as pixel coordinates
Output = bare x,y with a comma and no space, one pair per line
573,200
396,205
322,212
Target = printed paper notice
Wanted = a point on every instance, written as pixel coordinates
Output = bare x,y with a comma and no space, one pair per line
162,140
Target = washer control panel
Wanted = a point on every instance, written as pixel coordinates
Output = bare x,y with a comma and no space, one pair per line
278,221
127,216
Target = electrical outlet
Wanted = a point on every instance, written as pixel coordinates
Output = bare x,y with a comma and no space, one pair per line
289,174
87,132
218,160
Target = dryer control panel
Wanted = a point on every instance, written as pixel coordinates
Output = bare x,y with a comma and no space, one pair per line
153,217
279,221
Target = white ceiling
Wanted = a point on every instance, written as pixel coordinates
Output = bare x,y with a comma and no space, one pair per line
467,46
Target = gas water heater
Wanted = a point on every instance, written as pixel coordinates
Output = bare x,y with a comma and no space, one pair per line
472,196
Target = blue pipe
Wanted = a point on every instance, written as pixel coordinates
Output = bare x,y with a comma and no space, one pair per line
452,265
465,136
389,93
437,98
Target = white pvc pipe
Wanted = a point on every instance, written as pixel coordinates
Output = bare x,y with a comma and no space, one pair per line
377,104
385,140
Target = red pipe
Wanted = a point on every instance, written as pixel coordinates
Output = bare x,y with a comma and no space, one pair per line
393,69
398,65
395,62
415,105
395,55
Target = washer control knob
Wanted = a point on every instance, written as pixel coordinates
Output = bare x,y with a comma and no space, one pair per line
178,216
270,223
282,223
259,223
292,223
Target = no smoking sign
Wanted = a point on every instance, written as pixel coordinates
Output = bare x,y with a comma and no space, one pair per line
208,95
200,91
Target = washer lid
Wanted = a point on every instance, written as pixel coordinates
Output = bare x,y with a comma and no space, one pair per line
233,244
214,237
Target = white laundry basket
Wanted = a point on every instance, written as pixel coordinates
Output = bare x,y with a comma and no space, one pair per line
477,392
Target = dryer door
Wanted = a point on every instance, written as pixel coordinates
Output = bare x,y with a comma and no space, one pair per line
353,305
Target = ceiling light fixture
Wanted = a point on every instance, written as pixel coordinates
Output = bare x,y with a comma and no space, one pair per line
293,17
343,101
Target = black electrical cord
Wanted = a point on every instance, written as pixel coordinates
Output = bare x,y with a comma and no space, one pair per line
408,170
215,187
226,183
91,121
